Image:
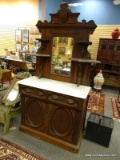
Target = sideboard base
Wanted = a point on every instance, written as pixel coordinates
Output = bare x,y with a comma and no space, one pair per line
52,140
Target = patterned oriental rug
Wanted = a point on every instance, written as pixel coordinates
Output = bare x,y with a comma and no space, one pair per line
115,108
11,151
96,103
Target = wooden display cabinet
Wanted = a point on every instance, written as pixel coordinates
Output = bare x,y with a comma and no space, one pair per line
54,104
109,55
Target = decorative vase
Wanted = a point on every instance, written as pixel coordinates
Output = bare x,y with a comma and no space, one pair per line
98,81
115,34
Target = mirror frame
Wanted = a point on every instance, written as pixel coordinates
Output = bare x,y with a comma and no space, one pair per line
65,23
60,61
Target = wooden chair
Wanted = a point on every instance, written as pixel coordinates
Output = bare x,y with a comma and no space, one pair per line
10,102
9,105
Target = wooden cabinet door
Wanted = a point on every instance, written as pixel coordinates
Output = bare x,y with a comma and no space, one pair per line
111,49
61,122
65,123
117,51
33,113
102,50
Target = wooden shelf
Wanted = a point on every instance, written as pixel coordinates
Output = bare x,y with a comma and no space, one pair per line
39,55
108,71
85,60
42,40
85,42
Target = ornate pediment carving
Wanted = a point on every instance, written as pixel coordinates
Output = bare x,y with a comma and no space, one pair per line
66,19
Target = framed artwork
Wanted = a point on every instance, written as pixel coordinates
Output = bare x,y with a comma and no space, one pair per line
18,47
18,35
25,35
25,47
61,50
63,40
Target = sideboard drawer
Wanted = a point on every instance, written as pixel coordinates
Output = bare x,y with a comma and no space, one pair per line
29,91
64,100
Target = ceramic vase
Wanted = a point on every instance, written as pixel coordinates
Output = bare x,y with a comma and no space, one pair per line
115,34
98,81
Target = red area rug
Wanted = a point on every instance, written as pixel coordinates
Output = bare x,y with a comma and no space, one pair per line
96,103
115,108
11,151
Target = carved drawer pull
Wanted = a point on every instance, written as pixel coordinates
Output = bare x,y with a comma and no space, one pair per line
28,90
70,101
40,94
54,97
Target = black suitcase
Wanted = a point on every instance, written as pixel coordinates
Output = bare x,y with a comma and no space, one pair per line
105,132
92,127
99,129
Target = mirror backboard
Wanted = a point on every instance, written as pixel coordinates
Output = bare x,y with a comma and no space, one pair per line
61,55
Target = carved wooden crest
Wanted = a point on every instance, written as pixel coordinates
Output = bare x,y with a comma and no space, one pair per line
63,12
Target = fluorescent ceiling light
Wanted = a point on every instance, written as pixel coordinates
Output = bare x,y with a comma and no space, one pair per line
75,4
116,2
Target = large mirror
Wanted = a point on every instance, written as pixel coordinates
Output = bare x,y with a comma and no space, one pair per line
61,55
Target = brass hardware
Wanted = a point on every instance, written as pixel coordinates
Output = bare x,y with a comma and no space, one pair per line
54,97
70,101
28,90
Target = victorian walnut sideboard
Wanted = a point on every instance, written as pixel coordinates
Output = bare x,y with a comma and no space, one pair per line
54,101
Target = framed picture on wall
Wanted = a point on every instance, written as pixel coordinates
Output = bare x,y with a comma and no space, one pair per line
25,47
25,35
61,50
63,40
18,47
18,36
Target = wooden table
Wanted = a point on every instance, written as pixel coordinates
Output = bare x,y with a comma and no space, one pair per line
25,65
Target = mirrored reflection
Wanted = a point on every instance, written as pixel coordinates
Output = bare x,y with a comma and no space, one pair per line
61,55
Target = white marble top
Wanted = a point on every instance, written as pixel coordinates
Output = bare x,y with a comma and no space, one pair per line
57,86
